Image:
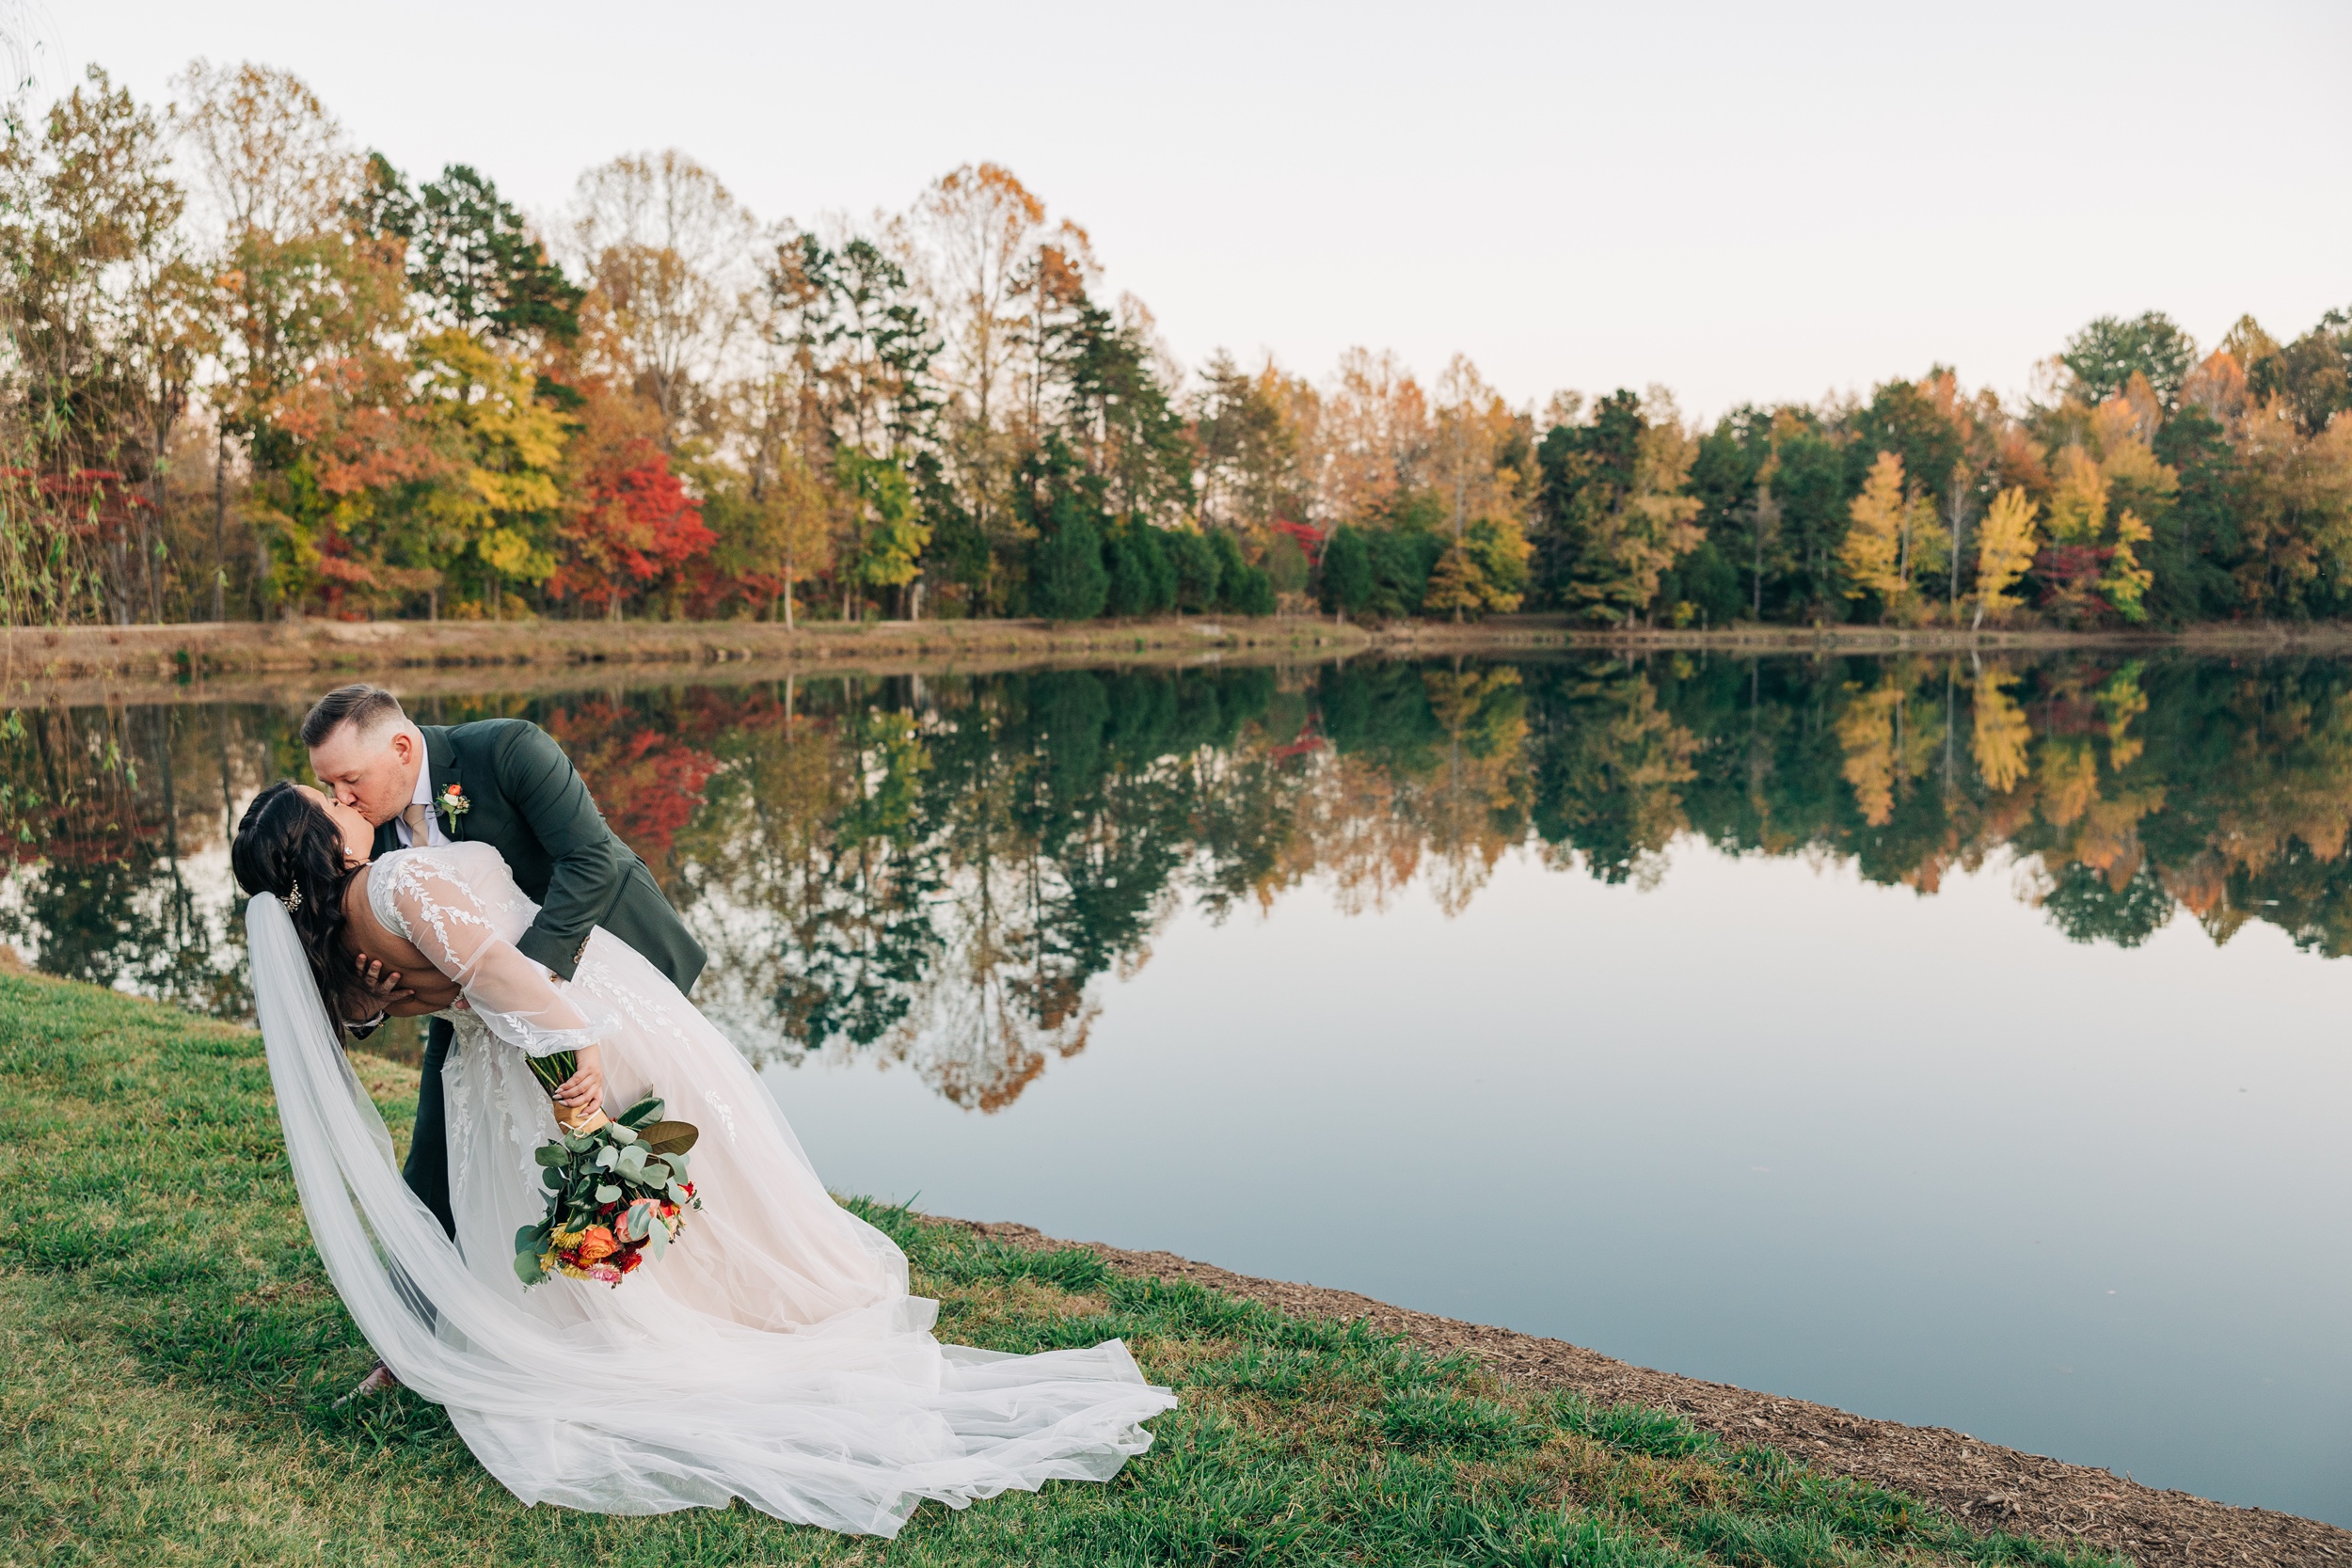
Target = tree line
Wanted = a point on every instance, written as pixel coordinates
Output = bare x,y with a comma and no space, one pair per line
249,371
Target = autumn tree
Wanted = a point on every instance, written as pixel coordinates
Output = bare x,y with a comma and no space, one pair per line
774,534
1374,437
1892,538
104,322
666,248
2005,549
1617,512
1248,445
633,528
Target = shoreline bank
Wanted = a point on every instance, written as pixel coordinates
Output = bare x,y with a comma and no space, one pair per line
38,659
1991,1486
213,659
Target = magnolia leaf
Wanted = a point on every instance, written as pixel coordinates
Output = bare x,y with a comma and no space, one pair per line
670,1137
645,1110
608,1195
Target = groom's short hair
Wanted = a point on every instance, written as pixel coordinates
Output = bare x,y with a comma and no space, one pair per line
365,708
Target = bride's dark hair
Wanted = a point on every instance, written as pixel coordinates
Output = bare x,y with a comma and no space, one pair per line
287,843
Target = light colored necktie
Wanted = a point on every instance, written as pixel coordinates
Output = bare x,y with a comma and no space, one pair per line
420,819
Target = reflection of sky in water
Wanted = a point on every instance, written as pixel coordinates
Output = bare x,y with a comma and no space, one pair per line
1920,1158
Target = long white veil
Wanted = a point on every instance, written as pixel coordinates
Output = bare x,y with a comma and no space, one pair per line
627,1404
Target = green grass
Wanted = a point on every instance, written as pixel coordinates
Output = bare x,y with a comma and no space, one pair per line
173,1353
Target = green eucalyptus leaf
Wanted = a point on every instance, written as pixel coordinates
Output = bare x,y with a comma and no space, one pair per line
553,1178
607,1157
526,1267
608,1195
633,1161
620,1134
549,1154
655,1174
658,1239
639,1221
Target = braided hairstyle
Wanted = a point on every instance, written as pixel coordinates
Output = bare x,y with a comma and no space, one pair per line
286,844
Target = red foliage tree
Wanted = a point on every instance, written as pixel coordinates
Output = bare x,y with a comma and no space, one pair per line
637,526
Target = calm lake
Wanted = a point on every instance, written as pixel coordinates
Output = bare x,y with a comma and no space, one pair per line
1963,1043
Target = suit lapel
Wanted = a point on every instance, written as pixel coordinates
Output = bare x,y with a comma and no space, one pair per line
440,756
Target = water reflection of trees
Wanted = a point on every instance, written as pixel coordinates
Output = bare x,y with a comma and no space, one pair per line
115,819
940,873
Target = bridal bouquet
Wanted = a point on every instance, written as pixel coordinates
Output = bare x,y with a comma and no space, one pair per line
616,1190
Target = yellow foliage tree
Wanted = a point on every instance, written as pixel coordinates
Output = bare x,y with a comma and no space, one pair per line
2125,582
2005,547
501,496
2086,489
2079,505
1892,534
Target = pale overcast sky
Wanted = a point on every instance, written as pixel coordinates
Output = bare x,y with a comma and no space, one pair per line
1739,201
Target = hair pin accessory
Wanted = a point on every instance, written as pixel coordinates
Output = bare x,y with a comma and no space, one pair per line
294,898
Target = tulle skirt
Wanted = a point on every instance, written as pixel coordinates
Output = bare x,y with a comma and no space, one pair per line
774,1352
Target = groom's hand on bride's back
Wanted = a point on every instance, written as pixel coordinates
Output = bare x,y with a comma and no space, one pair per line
392,998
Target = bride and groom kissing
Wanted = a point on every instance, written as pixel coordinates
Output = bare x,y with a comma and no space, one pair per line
774,1352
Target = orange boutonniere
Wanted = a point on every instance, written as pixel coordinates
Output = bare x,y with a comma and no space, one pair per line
452,804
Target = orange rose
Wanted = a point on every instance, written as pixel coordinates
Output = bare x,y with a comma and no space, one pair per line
597,1243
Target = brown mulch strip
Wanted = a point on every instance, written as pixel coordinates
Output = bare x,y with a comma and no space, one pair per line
1990,1486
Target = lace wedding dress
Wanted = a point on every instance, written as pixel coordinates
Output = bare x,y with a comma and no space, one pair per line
772,1355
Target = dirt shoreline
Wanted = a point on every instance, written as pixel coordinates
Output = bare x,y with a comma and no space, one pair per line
1994,1487
230,657
37,660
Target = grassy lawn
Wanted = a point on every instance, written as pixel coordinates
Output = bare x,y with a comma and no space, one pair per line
173,1354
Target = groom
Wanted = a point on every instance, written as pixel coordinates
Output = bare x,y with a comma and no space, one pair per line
505,783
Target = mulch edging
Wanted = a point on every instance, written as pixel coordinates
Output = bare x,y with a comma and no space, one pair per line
1991,1486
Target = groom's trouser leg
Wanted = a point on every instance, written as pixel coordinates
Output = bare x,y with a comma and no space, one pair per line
427,1170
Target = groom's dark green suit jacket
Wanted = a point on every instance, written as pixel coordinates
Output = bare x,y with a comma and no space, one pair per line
526,799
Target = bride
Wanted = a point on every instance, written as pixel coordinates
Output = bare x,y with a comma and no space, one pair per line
774,1353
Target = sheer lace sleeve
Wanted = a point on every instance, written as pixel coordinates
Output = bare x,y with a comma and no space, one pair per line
440,912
